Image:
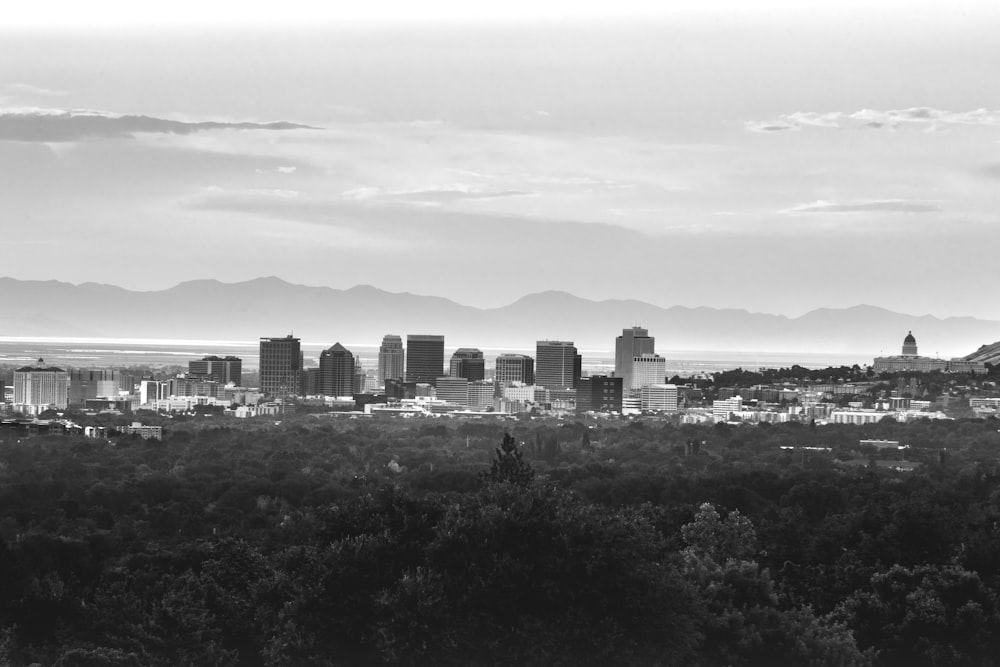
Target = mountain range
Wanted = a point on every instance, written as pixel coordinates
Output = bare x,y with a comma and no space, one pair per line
212,310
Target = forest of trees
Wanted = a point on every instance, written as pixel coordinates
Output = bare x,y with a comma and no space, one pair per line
325,541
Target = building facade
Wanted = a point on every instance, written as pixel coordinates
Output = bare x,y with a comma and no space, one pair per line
599,393
280,365
634,342
468,363
514,368
220,369
39,388
659,398
556,364
391,357
92,383
336,372
646,370
424,358
453,390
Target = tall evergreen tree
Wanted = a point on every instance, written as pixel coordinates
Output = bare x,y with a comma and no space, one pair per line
509,465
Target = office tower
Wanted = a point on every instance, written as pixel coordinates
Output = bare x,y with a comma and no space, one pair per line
634,342
646,370
280,365
390,359
220,369
336,371
514,368
468,363
309,381
92,383
555,364
599,393
424,358
453,390
38,388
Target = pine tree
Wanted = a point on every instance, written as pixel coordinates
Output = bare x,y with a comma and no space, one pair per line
509,465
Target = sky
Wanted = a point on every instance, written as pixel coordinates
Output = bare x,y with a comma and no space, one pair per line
775,156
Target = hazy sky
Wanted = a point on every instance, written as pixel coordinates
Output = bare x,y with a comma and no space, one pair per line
779,158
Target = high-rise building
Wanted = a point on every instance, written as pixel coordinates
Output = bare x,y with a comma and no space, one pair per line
634,342
599,393
468,363
390,359
514,368
280,364
336,371
555,364
646,370
424,358
309,381
92,383
220,369
38,388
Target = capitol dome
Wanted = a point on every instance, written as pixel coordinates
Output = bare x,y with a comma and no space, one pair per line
910,345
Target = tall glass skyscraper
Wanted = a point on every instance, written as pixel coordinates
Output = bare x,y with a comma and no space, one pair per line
424,358
390,359
634,342
280,365
555,364
336,371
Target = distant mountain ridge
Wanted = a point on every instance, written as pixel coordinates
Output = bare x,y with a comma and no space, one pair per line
269,306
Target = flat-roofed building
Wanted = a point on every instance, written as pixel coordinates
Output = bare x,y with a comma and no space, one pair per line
514,368
468,363
556,364
599,393
220,369
39,388
453,390
280,364
647,369
424,358
659,398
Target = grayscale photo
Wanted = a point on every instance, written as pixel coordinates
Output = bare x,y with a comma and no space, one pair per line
534,333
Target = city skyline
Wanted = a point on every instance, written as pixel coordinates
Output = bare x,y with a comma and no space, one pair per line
775,158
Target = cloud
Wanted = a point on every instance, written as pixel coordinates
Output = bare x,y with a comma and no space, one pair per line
29,89
432,196
33,124
926,118
286,170
881,206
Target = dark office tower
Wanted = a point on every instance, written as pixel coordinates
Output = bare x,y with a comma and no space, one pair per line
634,342
424,358
390,359
514,368
336,371
220,369
309,382
280,364
468,363
599,393
555,364
85,384
577,369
